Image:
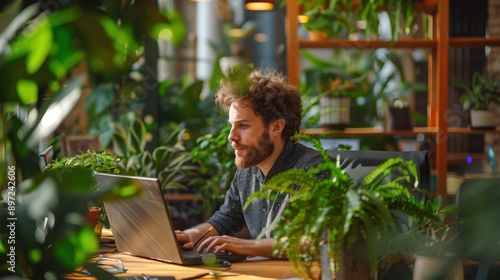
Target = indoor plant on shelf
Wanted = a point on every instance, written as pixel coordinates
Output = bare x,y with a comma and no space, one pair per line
337,81
230,49
328,218
393,87
331,16
478,95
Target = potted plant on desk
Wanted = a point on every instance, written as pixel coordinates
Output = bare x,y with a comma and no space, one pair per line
95,162
482,91
331,222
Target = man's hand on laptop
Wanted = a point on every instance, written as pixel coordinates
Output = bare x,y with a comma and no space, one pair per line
184,240
193,236
212,242
247,247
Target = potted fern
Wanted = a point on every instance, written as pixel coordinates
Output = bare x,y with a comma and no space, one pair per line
330,221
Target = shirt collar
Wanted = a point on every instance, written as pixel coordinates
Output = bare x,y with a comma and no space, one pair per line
281,164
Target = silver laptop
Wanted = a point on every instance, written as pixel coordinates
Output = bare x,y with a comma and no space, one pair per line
142,226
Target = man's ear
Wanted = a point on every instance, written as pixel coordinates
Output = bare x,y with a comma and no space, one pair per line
278,126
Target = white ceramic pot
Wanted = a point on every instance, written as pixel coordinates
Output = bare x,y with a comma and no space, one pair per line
482,119
453,181
431,268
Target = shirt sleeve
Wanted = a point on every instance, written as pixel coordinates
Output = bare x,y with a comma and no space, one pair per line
229,218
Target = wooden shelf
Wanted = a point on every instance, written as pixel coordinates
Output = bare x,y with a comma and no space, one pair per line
461,158
367,131
468,130
473,42
438,78
365,44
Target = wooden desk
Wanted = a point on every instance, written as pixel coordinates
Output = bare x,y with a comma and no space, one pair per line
253,268
249,269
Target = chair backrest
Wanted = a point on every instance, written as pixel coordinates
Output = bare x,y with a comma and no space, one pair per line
359,163
479,203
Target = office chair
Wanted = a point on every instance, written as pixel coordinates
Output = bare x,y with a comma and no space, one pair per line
358,164
479,231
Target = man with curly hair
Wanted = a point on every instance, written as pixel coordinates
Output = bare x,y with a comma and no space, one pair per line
264,111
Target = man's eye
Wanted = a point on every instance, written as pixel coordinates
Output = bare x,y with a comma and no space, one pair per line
243,125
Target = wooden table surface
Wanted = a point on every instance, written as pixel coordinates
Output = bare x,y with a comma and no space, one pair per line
252,268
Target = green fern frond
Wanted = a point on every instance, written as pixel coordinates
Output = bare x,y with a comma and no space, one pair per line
391,166
316,144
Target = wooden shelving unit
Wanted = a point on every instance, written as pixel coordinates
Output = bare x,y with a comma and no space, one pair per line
438,45
363,44
367,131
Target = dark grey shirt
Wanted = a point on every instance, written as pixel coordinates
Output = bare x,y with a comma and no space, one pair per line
260,215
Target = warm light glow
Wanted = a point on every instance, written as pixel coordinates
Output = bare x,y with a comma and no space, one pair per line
260,37
303,18
148,119
259,6
237,33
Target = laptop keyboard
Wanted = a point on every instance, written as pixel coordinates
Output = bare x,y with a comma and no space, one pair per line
193,254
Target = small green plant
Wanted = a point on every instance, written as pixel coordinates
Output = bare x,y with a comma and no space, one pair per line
480,92
103,162
332,16
325,207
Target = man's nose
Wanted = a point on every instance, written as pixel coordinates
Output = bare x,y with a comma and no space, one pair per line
232,135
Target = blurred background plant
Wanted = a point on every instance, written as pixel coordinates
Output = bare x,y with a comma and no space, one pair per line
50,53
215,159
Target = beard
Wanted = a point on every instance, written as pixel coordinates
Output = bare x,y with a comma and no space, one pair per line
256,154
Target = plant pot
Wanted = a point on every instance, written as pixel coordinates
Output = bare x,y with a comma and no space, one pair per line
93,215
354,263
315,35
335,112
482,119
447,267
399,119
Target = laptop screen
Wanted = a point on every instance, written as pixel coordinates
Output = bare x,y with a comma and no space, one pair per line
46,156
141,225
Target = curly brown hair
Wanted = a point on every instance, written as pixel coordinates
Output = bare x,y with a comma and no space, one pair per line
269,94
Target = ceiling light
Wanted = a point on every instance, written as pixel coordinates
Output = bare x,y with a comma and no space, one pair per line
259,5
